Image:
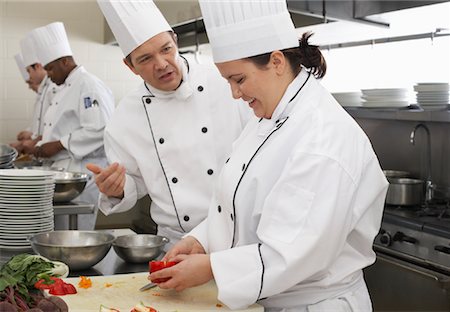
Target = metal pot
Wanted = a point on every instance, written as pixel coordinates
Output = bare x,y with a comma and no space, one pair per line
405,192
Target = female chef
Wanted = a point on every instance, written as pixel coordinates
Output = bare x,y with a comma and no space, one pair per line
300,200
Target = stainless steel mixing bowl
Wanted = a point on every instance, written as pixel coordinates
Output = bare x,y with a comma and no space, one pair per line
78,249
68,185
139,248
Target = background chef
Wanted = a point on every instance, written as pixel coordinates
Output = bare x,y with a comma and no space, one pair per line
76,117
300,200
173,133
39,82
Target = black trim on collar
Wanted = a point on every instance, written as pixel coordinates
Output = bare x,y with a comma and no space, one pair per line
298,91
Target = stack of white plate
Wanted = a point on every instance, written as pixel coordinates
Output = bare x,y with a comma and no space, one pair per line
26,206
348,99
432,95
7,156
385,98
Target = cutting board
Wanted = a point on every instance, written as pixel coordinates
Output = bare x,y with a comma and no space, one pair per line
121,292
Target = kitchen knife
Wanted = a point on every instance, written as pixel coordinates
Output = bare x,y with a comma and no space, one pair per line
148,286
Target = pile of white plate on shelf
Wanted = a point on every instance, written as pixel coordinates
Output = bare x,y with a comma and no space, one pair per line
432,95
348,99
7,156
26,206
385,98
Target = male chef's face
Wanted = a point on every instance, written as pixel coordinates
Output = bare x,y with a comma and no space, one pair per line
37,73
156,62
56,71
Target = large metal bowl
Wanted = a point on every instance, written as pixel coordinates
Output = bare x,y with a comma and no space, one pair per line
68,185
78,249
139,248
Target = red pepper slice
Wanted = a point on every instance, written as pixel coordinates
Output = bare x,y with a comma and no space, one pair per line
69,289
58,287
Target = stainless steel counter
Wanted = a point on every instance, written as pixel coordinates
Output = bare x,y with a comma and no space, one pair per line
72,210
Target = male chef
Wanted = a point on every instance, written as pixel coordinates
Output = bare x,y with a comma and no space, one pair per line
169,137
76,116
39,82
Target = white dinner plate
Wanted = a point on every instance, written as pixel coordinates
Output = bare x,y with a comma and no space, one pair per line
432,88
25,210
29,173
24,233
384,92
26,230
18,183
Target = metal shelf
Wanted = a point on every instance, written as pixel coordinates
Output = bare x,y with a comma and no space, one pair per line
399,114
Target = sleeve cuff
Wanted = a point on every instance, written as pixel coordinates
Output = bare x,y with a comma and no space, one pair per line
237,269
111,205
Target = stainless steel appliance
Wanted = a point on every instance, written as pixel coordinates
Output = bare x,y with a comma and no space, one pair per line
412,270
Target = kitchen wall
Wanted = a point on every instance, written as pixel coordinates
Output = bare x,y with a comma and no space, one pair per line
83,21
391,142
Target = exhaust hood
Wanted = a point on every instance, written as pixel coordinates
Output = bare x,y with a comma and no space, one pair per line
185,16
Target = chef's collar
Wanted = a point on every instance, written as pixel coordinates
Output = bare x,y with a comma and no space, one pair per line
72,75
183,91
285,105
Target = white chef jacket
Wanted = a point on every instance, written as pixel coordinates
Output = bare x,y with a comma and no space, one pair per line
173,145
77,117
296,207
45,92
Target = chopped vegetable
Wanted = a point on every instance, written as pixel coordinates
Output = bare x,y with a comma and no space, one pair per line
56,286
159,265
85,282
143,308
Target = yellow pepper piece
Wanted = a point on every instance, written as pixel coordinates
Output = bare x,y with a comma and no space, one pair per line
85,282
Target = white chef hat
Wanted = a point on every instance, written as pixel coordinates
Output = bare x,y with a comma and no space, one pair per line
133,22
22,67
51,42
240,29
28,51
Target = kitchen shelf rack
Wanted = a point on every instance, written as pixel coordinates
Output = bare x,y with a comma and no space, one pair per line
400,114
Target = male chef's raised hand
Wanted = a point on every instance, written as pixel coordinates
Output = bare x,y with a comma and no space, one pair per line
110,180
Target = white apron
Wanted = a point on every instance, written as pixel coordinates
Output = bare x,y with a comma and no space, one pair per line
173,145
297,206
77,116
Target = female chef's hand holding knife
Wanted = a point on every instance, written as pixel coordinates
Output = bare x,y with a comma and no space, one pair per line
110,180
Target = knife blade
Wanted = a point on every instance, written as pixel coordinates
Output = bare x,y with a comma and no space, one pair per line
148,286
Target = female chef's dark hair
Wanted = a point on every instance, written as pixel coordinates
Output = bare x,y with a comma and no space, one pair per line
305,54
